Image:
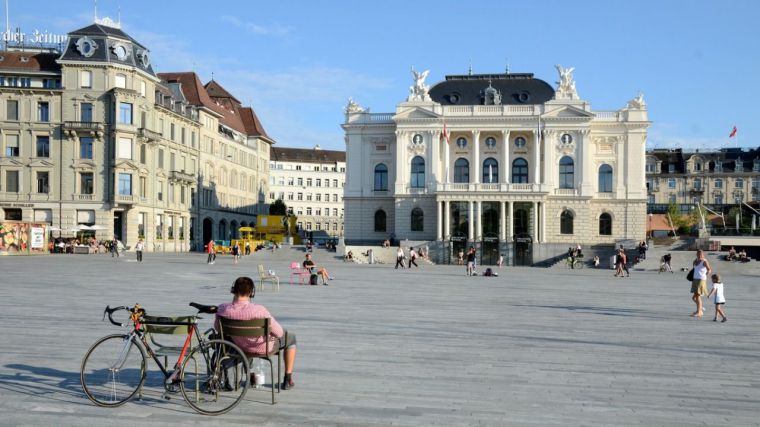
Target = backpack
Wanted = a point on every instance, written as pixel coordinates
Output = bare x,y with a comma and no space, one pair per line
488,272
314,279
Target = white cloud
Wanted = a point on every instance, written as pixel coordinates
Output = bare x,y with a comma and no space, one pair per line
274,29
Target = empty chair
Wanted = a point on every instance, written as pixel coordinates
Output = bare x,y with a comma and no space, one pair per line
272,278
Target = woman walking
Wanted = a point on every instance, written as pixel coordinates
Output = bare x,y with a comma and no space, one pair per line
702,270
400,258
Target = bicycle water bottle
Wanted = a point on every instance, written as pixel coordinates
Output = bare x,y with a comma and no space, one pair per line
259,373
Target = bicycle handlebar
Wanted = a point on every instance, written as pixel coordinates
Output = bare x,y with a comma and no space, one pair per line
210,309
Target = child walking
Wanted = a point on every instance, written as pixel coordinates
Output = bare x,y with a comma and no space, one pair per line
719,299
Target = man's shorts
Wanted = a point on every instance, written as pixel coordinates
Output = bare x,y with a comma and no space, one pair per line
291,342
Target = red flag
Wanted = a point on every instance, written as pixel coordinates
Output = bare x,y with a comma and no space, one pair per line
445,133
733,132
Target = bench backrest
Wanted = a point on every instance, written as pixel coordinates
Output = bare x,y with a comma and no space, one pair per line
179,325
243,328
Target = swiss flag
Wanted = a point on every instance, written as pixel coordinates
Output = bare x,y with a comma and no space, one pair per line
733,132
445,133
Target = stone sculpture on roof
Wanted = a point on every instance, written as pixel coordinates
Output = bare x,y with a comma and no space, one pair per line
637,103
419,91
353,107
566,88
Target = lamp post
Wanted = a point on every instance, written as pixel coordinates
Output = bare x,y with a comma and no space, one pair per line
651,232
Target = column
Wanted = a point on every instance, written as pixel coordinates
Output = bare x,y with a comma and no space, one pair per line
587,171
402,177
435,158
479,216
446,161
475,156
511,222
470,219
439,221
535,221
503,221
550,163
446,220
536,159
543,222
505,166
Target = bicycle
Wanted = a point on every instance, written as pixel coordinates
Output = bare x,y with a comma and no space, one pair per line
572,262
114,368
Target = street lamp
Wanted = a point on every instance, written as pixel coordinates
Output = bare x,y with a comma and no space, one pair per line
651,232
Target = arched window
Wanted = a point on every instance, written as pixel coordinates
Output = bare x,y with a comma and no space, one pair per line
461,170
490,171
223,230
418,172
566,172
566,222
605,178
605,224
520,171
379,220
417,220
381,177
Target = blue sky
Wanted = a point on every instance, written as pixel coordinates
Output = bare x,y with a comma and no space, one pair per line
296,62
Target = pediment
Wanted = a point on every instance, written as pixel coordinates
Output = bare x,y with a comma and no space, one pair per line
416,113
10,161
568,112
126,165
40,163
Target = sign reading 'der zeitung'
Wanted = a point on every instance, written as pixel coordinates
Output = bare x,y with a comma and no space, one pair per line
35,37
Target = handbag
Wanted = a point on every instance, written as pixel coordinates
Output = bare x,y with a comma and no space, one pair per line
690,275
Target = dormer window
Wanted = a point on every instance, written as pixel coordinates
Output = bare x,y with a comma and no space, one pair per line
718,166
756,166
671,168
698,167
739,165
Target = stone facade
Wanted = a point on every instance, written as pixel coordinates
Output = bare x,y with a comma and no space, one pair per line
573,175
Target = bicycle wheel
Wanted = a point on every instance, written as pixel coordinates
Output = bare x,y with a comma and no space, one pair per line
215,376
113,370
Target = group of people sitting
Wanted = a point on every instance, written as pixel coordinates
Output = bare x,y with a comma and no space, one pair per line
741,256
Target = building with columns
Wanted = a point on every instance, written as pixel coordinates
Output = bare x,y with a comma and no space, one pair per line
502,162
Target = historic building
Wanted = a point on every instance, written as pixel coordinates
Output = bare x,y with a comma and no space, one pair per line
503,162
92,138
729,176
310,182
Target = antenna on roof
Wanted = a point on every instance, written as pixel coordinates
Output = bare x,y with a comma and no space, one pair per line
118,16
7,24
507,68
212,76
96,10
469,70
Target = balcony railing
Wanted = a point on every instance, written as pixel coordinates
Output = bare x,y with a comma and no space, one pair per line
83,126
565,192
148,135
181,177
84,196
472,187
125,199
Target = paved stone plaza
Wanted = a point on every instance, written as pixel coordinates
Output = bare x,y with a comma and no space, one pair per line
384,347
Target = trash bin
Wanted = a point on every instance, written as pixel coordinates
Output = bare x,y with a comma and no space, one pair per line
371,256
612,262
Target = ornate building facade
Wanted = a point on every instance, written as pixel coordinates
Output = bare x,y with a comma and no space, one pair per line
310,182
730,176
92,137
503,162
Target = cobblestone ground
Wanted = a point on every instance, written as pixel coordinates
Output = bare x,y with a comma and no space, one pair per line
418,347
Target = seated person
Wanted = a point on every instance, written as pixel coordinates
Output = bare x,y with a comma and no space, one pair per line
596,261
743,256
242,308
731,254
321,271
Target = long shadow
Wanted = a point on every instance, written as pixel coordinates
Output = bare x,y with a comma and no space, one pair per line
603,311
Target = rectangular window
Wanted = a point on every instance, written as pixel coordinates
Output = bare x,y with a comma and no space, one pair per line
11,181
308,197
86,183
142,88
335,211
143,153
11,109
85,110
300,181
160,192
671,168
672,198
143,186
308,211
43,112
182,194
43,182
719,199
671,183
335,197
171,131
86,78
85,147
11,146
125,113
159,226
192,139
161,158
43,146
125,184
123,148
318,212
181,228
335,183
141,225
182,136
319,182
120,81
171,193
161,126
319,197
170,227
172,161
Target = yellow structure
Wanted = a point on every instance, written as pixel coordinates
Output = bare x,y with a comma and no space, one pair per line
269,228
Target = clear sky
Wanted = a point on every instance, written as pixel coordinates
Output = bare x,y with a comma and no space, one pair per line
296,62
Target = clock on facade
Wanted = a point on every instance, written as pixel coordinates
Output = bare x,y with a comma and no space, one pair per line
519,142
461,142
490,142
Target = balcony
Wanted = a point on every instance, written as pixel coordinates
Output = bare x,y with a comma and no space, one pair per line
125,199
94,129
565,192
180,176
696,191
86,197
489,188
148,135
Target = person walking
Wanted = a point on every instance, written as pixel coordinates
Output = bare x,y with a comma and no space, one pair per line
114,248
211,252
719,299
236,253
399,258
247,248
412,258
470,261
139,250
624,264
702,270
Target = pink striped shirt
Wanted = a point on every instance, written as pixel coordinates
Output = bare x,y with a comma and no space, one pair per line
246,310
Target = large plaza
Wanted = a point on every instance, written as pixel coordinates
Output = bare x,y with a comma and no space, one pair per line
419,347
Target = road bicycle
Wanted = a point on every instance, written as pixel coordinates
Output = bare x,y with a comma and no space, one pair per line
573,262
212,377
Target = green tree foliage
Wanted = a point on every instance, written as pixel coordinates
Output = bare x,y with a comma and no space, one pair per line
278,208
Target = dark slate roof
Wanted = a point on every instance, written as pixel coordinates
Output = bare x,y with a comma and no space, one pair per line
306,155
729,157
104,36
29,61
515,88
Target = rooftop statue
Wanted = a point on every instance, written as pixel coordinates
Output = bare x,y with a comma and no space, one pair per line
419,91
353,107
566,89
637,103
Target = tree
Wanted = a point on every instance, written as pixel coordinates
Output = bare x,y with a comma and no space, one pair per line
278,208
